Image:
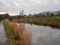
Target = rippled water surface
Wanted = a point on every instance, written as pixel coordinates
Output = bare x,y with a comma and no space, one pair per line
43,35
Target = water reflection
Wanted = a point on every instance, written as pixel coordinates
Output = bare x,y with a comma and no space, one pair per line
43,35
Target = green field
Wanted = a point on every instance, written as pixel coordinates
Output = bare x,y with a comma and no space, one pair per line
57,17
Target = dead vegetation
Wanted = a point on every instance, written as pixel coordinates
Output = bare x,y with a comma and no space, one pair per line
45,21
21,36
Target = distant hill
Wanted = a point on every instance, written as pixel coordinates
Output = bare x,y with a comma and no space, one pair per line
50,12
46,13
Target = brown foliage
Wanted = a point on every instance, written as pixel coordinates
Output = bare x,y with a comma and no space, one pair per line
22,37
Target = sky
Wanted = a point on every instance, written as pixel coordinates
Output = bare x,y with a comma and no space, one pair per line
29,6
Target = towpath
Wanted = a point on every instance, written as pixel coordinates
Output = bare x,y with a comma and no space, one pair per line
3,37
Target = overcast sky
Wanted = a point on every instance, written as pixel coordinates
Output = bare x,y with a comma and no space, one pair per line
29,6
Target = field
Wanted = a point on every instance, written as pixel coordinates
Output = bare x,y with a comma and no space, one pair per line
46,21
56,17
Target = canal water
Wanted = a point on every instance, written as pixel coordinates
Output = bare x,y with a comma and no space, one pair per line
43,35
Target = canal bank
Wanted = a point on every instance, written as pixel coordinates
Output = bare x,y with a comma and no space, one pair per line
3,37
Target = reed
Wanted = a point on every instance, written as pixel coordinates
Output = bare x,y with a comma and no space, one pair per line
21,36
46,21
9,33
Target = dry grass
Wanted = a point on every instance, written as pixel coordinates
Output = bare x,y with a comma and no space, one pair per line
46,21
21,36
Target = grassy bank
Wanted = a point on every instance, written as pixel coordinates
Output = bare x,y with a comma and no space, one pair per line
17,32
0,20
9,34
46,21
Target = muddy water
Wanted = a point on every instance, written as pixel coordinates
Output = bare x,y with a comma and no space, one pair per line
43,35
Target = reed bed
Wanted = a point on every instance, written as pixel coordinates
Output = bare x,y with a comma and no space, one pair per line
21,36
46,21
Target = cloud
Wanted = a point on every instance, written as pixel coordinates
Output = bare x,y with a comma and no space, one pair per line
56,1
29,6
39,1
16,3
36,1
5,2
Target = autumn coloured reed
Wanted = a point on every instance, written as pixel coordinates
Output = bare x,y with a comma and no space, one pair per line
21,36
